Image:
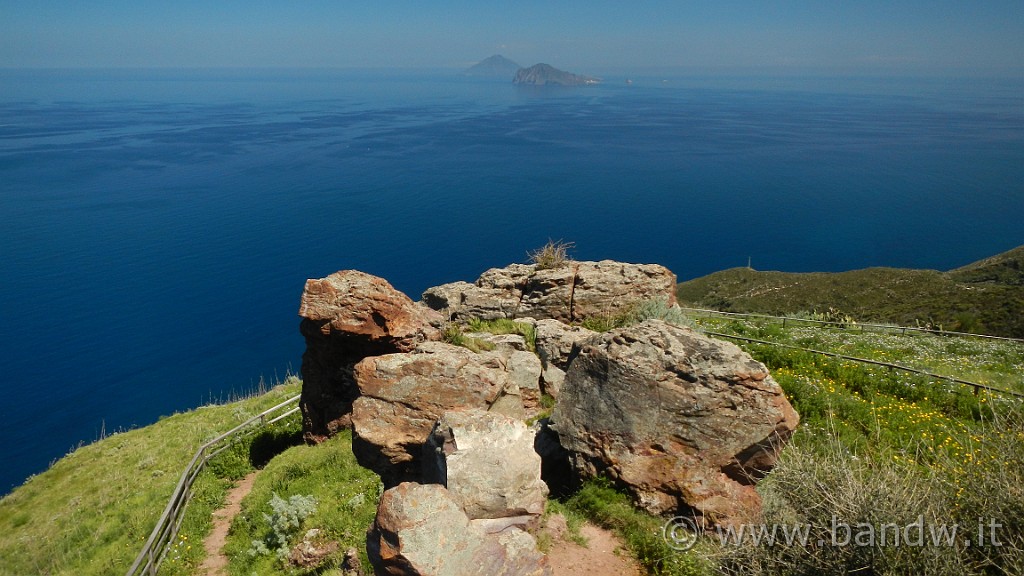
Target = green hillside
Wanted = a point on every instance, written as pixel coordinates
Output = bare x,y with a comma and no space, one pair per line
985,297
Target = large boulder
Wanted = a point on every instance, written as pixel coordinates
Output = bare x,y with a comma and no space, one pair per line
569,293
403,395
685,422
421,531
488,463
346,317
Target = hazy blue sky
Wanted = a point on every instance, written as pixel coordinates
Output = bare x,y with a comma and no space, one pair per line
856,36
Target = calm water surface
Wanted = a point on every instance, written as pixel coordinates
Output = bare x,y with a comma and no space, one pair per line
156,227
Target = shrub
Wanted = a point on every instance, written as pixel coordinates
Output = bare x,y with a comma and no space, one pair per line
882,512
554,254
285,521
656,308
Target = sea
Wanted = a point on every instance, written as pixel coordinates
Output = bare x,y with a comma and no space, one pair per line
157,226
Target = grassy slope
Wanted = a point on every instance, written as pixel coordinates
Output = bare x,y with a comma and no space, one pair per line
985,297
91,512
346,502
878,447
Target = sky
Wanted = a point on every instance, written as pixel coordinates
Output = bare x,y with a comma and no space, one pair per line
774,36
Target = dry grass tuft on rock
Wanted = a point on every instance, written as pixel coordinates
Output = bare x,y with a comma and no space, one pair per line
554,254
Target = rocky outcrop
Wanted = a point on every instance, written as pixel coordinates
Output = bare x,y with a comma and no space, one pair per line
403,395
488,463
569,293
685,422
346,317
421,530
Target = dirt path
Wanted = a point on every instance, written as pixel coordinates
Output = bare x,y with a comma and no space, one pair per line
216,562
604,555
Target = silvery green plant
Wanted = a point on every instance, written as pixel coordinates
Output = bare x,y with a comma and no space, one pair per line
285,521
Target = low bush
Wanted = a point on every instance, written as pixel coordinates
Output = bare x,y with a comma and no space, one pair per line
284,523
882,512
656,308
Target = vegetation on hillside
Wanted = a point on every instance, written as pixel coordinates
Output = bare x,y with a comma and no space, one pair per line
985,297
878,449
92,511
346,497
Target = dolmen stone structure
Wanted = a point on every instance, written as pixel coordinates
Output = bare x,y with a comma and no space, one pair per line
685,423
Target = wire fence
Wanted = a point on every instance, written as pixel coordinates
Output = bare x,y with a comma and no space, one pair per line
977,385
166,529
861,326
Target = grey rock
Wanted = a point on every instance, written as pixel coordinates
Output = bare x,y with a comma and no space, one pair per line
488,463
420,530
569,293
683,421
505,342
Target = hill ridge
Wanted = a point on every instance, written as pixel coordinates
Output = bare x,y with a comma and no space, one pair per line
986,296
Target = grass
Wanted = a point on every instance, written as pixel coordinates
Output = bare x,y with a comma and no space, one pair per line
574,521
641,532
968,504
507,326
989,362
91,512
454,335
346,496
877,448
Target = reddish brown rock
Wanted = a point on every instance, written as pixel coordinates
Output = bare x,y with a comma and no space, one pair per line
402,395
346,317
685,422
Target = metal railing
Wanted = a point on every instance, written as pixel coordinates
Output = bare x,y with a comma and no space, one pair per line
153,552
862,326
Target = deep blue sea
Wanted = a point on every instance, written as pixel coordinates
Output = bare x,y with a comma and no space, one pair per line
157,227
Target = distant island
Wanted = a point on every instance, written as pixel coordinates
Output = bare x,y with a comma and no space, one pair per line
545,74
496,66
